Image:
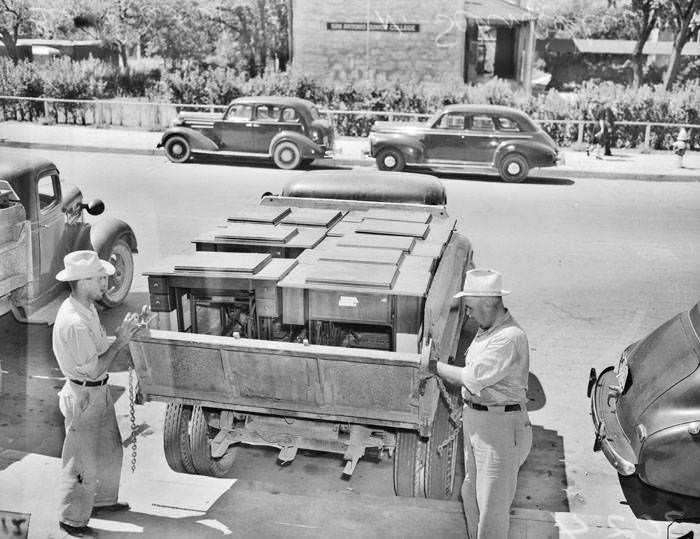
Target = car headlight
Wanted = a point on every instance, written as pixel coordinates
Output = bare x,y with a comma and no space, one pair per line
623,368
315,136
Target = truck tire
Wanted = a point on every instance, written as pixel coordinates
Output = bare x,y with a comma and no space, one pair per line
418,469
513,168
176,439
118,285
390,159
286,155
177,149
201,436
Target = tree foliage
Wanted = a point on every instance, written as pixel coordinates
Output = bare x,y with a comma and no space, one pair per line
685,17
15,17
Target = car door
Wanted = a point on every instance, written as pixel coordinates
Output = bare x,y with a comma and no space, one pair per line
266,125
51,224
235,130
482,138
445,140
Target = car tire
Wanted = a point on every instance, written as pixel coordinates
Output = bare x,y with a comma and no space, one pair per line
390,159
513,168
118,285
177,149
286,155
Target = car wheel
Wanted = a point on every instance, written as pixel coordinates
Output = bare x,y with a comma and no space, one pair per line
513,168
390,159
177,149
118,285
287,155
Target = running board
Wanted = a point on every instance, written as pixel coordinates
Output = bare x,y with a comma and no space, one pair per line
234,154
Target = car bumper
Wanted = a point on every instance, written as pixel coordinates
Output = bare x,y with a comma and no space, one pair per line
560,160
610,437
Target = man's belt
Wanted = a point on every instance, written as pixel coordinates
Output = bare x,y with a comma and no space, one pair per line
89,383
494,408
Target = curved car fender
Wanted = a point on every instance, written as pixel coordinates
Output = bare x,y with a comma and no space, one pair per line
535,152
106,230
413,150
308,147
195,138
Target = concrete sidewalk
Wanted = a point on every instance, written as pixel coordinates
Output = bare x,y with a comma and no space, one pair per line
624,164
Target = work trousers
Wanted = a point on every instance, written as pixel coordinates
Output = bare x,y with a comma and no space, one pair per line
496,443
92,452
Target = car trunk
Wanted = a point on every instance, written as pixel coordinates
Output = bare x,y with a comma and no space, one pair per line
657,363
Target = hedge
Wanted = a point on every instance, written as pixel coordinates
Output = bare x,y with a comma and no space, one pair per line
92,79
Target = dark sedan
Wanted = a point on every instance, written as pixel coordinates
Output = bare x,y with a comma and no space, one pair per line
646,412
287,130
466,138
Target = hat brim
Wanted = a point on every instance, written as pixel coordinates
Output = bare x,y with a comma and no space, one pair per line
481,294
105,269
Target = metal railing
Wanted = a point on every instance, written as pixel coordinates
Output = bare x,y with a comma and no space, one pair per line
156,116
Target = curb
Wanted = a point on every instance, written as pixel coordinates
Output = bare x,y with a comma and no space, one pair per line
558,174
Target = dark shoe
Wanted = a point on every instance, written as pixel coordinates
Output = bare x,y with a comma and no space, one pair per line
110,508
77,531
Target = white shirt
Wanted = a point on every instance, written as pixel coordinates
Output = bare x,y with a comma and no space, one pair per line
497,364
78,341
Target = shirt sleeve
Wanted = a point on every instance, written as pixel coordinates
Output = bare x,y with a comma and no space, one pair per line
490,366
79,343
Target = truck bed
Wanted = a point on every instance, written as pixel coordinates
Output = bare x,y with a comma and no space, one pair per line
15,251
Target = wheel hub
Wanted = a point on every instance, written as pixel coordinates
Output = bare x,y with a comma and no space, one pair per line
513,168
390,161
177,149
287,155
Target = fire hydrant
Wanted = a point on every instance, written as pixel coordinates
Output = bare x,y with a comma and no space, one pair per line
680,146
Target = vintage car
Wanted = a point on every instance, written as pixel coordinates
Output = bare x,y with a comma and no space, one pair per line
466,138
41,220
646,412
287,130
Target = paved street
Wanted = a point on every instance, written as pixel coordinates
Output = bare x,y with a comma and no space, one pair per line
593,265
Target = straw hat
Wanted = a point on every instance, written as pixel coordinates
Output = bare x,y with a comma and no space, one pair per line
483,282
83,265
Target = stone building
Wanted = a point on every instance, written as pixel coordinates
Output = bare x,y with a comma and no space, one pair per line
412,40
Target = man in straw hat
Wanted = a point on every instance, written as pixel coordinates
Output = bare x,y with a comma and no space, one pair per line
92,449
497,430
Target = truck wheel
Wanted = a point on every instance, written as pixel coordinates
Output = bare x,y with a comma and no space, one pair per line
176,439
390,159
441,477
177,149
409,465
286,155
513,168
119,284
201,436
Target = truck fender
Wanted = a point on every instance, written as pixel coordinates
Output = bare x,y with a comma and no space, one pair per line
195,138
307,147
531,149
104,232
413,151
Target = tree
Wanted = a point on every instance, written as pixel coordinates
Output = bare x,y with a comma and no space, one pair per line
260,27
15,17
646,18
685,15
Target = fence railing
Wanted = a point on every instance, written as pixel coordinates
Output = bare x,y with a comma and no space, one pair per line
157,116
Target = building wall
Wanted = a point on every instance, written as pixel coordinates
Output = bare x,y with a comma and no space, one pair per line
435,52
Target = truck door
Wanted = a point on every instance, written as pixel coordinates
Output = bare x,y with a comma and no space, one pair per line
51,228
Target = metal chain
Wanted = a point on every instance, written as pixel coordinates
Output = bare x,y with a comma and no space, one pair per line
132,417
455,415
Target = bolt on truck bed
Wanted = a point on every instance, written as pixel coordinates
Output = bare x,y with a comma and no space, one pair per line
307,322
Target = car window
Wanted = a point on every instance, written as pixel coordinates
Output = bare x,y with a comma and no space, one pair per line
267,112
482,122
506,124
46,188
239,113
451,120
290,115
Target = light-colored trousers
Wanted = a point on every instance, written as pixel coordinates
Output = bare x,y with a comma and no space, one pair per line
496,444
92,452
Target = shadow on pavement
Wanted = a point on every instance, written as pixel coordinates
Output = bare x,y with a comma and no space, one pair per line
533,180
648,502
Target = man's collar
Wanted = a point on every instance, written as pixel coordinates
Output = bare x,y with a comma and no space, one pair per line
501,320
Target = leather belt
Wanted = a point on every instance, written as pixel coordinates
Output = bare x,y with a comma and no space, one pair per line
89,383
494,408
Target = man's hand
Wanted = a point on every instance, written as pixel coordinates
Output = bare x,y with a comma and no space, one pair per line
127,329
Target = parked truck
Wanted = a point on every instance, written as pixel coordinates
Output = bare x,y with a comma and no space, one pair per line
41,220
310,321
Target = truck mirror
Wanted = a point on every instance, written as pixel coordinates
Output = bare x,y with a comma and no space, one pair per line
95,206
